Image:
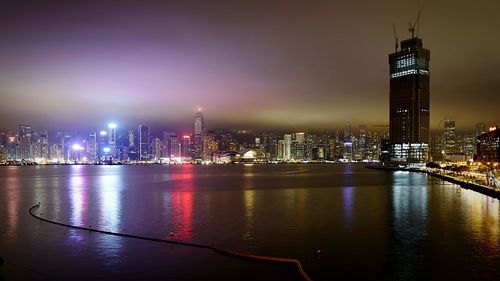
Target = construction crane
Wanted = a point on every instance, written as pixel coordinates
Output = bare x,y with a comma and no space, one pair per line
416,24
396,42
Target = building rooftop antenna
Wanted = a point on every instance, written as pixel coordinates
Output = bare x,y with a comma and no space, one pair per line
396,42
411,27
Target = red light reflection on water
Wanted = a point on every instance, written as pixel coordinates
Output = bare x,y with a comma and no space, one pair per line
182,203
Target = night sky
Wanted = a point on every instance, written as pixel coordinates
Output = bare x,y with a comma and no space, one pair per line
295,65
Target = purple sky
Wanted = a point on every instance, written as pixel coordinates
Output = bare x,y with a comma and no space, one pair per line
285,64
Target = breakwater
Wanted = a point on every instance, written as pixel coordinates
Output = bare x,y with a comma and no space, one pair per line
221,250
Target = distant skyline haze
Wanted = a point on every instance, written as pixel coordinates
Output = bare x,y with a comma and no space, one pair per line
255,64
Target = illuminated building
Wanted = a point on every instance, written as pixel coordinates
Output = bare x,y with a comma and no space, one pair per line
287,147
12,147
436,148
450,138
112,139
40,145
409,102
156,149
210,146
92,147
488,147
347,132
280,150
199,131
174,147
103,144
362,149
131,139
298,145
186,147
25,133
143,133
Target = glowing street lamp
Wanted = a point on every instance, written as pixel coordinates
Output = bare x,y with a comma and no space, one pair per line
106,150
112,125
103,133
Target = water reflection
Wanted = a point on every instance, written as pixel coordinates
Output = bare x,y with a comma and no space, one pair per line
78,198
182,203
110,204
348,205
484,217
248,202
409,224
12,198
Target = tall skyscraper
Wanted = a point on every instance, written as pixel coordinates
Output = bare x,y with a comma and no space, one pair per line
409,101
347,132
174,147
112,139
92,147
25,133
131,139
287,147
199,130
186,148
143,133
450,138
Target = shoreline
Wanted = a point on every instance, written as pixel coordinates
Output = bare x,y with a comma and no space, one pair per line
483,189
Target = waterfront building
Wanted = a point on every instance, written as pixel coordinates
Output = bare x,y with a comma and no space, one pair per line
186,154
174,147
144,137
156,149
280,154
488,147
167,135
436,148
25,134
409,105
450,138
92,147
103,144
361,150
299,152
469,146
112,139
287,147
199,131
210,146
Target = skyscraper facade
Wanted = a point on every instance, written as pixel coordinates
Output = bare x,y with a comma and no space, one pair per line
199,130
450,138
143,133
25,133
92,148
409,102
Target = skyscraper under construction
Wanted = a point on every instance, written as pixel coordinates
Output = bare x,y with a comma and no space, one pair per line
409,101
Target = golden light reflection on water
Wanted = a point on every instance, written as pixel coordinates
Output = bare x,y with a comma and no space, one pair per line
484,215
249,201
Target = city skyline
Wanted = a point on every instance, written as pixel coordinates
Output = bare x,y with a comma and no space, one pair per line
82,65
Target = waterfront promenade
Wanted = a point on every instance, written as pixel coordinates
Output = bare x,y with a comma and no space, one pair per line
483,183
